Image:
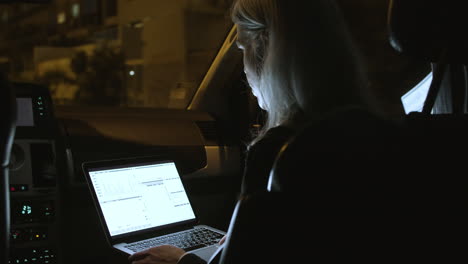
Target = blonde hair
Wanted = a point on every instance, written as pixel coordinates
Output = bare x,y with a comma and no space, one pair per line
303,56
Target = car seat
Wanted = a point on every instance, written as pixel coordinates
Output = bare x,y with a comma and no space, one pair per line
329,192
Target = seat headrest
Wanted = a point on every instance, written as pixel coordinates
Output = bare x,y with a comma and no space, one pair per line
426,29
327,149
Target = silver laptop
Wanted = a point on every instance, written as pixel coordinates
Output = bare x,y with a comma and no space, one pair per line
142,203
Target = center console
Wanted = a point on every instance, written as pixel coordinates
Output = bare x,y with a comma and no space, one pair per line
34,174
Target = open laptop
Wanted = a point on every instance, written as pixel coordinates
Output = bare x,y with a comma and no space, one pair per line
142,203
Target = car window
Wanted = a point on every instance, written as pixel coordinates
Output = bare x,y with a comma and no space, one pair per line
128,53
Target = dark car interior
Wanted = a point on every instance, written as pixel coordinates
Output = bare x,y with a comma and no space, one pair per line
414,166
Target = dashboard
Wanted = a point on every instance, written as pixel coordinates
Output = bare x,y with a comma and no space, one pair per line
51,205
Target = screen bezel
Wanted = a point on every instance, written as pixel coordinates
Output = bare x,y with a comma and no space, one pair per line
135,235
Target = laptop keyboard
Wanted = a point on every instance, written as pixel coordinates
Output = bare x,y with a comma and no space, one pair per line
187,240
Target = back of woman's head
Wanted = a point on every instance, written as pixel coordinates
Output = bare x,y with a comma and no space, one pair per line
303,57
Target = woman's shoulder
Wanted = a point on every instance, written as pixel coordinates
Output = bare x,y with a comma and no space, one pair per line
270,143
274,135
279,131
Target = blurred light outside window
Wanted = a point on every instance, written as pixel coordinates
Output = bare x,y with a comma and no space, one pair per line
151,53
5,16
75,10
61,18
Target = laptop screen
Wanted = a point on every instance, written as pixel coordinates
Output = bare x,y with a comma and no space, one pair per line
140,196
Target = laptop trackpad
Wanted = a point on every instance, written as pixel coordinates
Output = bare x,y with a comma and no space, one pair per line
205,253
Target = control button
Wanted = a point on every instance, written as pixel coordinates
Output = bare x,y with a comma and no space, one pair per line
29,234
27,210
32,211
19,188
33,255
40,106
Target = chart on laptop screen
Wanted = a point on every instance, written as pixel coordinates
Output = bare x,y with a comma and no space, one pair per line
141,197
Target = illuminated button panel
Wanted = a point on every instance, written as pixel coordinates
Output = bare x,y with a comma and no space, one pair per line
34,256
19,187
40,107
19,235
32,211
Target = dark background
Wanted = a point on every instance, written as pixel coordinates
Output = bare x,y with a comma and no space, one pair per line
390,73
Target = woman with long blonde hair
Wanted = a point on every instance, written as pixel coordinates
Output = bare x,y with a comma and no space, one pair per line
301,65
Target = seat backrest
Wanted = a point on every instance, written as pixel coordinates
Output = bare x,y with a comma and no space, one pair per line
7,134
352,187
382,190
330,189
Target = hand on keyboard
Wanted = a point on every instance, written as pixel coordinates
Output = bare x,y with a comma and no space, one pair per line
164,254
221,241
